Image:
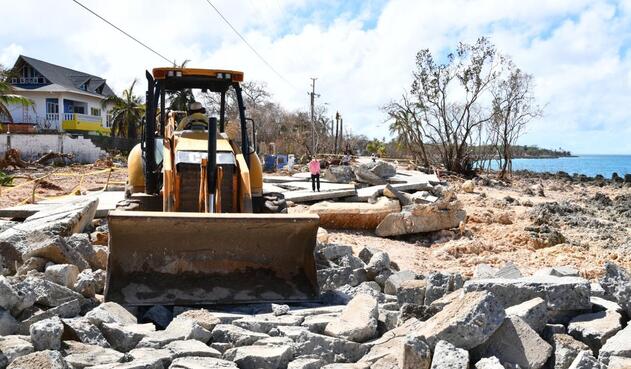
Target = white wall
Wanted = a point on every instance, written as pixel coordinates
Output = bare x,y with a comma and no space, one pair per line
33,146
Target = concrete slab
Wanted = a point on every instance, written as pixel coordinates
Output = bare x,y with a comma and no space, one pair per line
107,202
363,194
308,195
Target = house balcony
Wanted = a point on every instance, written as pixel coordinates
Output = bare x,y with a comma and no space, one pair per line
74,122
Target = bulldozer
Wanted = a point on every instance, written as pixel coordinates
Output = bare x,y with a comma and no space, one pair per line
195,229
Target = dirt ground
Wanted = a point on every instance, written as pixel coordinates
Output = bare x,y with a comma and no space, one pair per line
509,224
51,181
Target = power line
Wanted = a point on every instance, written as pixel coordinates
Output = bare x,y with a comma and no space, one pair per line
249,45
123,32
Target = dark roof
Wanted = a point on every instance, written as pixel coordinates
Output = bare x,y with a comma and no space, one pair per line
67,77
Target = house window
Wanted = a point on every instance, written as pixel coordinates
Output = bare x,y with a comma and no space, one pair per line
95,112
84,86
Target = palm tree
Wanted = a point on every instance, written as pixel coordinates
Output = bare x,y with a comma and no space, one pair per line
127,112
179,100
7,96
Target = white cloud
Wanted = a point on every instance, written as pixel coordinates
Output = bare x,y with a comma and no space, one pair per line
575,49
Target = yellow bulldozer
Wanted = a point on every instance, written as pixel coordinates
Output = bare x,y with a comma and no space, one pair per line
195,230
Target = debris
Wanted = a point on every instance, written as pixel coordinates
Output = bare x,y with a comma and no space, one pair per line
260,357
617,284
468,186
448,356
595,329
358,321
415,353
565,350
47,359
534,312
46,334
354,215
63,274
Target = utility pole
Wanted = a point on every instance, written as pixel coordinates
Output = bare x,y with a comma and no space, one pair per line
337,129
313,95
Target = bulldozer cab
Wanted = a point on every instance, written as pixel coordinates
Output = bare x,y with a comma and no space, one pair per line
208,239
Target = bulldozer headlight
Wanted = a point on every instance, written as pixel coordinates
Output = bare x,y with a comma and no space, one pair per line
227,75
178,73
170,73
220,75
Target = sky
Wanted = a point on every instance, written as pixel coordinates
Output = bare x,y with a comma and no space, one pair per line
361,52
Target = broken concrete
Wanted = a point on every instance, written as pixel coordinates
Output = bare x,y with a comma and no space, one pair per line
358,321
46,334
82,330
110,312
565,350
448,356
534,312
596,328
617,284
352,215
415,353
260,357
63,274
79,355
618,345
515,343
46,359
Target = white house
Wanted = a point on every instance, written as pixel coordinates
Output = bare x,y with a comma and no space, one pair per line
63,99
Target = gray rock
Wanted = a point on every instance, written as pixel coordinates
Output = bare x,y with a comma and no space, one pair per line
514,342
415,353
600,304
80,329
446,213
595,328
317,323
326,309
333,251
551,329
534,312
448,356
394,281
79,355
46,359
56,250
618,345
585,360
379,262
63,274
125,337
509,271
484,271
339,174
617,362
329,349
110,312
332,278
62,220
387,320
178,329
597,290
88,283
560,293
15,346
95,255
48,293
364,175
366,253
381,168
560,271
234,335
32,263
162,356
69,309
412,291
617,284
418,311
350,261
260,357
278,309
440,284
275,341
46,334
191,348
565,350
466,322
13,299
8,324
262,323
148,363
358,321
201,363
305,363
489,363
203,317
158,315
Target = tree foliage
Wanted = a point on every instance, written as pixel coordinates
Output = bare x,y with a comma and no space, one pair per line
8,96
127,112
461,103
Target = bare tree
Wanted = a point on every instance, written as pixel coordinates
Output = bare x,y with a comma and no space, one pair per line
513,107
449,96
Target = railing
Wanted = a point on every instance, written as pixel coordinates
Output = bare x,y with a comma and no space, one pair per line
82,117
27,80
53,117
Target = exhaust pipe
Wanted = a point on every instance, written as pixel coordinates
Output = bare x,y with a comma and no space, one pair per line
211,165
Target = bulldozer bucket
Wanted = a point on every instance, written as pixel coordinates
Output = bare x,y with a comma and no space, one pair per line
200,259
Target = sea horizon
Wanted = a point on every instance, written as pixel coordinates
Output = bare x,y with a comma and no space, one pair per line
585,164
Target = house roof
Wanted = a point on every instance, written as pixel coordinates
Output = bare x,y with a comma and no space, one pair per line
66,77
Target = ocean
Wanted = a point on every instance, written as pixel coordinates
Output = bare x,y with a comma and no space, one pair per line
589,165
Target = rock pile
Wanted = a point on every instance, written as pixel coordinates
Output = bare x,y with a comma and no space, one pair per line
371,315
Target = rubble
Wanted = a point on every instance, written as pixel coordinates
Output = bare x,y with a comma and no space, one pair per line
617,284
47,359
595,329
358,321
354,215
415,353
46,334
448,356
565,350
534,312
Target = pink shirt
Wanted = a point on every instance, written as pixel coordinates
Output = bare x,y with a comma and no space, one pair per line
314,167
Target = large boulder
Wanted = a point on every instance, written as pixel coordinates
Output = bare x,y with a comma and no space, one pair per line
46,334
448,356
418,218
56,250
617,284
560,293
110,312
338,173
358,321
515,343
46,359
354,215
466,322
365,175
381,168
125,337
595,329
48,293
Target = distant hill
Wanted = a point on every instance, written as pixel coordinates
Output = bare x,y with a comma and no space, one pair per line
525,152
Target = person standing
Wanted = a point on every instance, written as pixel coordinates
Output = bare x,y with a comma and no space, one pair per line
314,169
